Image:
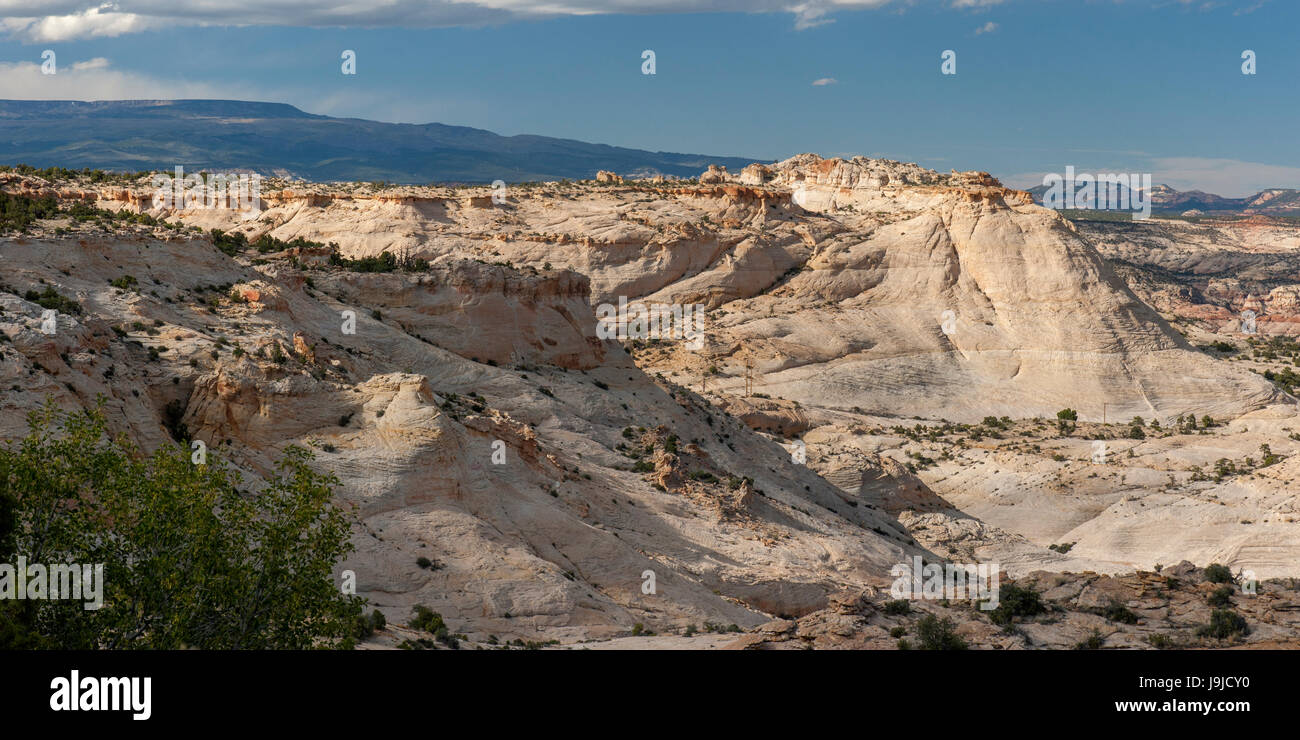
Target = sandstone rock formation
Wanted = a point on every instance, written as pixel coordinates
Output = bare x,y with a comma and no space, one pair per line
909,337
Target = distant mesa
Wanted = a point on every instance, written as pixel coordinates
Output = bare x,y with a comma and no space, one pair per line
281,140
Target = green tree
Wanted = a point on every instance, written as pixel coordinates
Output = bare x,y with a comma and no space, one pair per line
1065,419
191,557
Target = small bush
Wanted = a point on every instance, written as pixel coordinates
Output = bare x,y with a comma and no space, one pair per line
50,298
1015,601
1216,573
1224,623
1222,596
1094,641
427,620
1161,641
938,634
1118,612
898,607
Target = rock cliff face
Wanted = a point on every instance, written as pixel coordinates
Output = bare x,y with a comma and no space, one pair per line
956,297
860,282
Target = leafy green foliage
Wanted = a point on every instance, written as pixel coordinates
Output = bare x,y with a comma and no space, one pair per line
57,174
231,244
50,298
384,262
191,559
19,211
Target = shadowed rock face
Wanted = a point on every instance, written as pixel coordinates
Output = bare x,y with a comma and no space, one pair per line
515,479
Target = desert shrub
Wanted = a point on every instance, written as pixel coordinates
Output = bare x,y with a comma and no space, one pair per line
1216,573
898,607
1117,612
427,620
1160,641
230,244
1222,596
50,298
1016,601
1224,623
19,211
938,634
670,444
1092,642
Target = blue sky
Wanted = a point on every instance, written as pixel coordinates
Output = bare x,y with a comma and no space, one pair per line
1138,86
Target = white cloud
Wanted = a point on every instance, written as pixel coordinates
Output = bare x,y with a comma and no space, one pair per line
66,20
94,22
989,27
824,81
810,15
89,64
95,79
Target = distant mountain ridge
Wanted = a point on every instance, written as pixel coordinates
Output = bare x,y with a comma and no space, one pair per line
1270,202
277,138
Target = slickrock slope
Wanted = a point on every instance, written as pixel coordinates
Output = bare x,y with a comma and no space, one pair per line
517,475
959,300
1099,498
